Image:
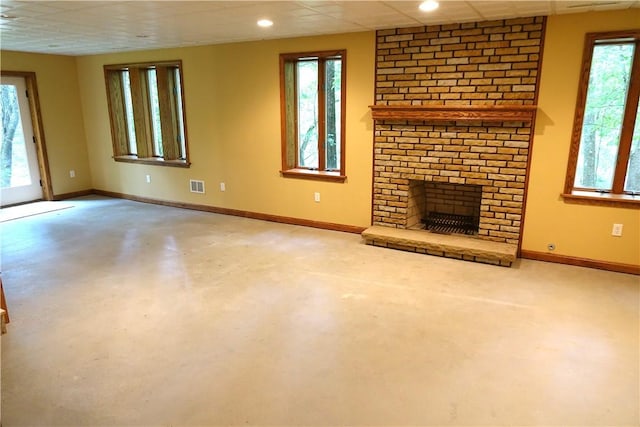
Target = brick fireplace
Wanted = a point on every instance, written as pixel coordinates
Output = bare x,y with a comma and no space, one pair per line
454,115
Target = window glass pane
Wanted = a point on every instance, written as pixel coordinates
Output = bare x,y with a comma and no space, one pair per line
333,86
128,105
155,113
181,141
603,115
307,73
14,161
633,171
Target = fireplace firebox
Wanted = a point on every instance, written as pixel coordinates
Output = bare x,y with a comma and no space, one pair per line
444,208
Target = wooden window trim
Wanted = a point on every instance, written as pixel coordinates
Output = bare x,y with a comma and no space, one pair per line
616,197
314,174
167,101
602,199
115,100
290,161
628,122
155,161
169,110
322,113
141,112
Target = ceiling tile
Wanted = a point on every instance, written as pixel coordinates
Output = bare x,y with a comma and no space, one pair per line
92,27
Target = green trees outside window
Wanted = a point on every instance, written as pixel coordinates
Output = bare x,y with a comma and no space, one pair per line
606,133
312,96
13,156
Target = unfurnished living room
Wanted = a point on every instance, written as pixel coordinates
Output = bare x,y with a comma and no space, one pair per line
320,213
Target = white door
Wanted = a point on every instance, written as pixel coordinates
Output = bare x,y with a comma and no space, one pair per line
19,171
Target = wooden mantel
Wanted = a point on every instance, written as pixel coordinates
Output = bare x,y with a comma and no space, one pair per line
489,113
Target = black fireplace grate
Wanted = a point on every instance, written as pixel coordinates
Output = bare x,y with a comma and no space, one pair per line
445,223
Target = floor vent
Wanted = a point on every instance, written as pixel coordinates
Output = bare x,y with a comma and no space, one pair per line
196,186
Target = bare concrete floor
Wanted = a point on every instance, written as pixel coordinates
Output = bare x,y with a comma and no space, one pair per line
130,314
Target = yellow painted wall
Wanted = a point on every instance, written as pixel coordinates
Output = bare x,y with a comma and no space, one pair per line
576,230
233,121
61,112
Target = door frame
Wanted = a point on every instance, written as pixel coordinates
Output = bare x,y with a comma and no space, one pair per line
38,131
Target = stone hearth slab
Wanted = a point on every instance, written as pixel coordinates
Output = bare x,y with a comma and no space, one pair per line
447,245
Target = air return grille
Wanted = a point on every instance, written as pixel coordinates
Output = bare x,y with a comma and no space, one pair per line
196,186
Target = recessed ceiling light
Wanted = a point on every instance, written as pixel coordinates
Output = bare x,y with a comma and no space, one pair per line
265,23
429,5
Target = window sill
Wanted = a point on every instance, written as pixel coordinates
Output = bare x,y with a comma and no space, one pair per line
317,175
153,161
602,199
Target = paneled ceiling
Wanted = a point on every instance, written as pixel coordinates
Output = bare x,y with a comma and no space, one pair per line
93,27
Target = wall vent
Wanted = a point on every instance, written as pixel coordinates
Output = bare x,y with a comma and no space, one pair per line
196,186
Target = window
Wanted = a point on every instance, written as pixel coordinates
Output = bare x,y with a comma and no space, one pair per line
146,113
312,94
604,163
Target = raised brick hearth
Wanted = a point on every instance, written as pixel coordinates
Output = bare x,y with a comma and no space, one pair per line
482,64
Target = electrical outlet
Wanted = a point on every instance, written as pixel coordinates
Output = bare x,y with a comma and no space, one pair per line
72,173
617,230
148,179
316,197
223,187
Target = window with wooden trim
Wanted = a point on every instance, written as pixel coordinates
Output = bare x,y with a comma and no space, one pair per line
604,161
146,110
312,97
